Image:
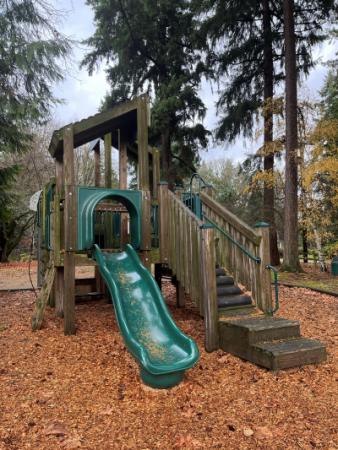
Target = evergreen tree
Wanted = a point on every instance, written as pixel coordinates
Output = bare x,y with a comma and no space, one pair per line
30,50
149,47
248,49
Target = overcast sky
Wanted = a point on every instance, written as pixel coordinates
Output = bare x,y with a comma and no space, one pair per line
82,94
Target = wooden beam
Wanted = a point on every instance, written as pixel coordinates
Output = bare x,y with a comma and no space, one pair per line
123,184
146,225
233,220
156,172
97,181
107,161
265,298
142,142
208,275
58,238
164,222
70,221
97,164
43,297
103,119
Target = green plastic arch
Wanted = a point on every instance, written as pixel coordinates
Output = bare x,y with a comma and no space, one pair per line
89,197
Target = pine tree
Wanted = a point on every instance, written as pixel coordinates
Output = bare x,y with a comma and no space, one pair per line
248,51
149,47
30,54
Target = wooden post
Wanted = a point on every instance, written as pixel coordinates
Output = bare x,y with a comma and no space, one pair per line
123,184
107,161
58,238
97,165
265,296
146,228
143,176
163,221
97,181
208,275
142,144
208,189
70,220
108,184
156,172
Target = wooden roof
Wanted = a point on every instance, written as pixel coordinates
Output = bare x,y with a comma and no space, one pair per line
122,116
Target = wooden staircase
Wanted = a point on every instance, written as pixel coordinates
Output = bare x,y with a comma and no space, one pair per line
238,323
270,342
230,298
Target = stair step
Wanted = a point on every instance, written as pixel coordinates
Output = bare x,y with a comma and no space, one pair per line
249,331
228,290
288,353
233,311
220,271
224,280
234,300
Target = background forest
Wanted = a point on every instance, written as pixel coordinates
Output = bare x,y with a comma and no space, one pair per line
255,54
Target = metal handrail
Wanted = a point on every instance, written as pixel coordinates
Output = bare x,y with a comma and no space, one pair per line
257,259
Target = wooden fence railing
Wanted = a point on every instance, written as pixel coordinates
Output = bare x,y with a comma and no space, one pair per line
243,251
187,246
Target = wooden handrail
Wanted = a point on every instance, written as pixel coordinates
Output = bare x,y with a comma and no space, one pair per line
187,246
233,220
242,251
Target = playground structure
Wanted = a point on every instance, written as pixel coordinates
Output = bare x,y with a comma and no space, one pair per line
218,260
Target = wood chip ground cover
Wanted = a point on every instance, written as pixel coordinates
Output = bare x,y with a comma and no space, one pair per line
84,391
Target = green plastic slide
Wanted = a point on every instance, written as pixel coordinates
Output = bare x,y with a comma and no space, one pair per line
150,334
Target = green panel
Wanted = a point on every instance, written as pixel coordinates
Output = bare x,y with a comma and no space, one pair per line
150,334
89,197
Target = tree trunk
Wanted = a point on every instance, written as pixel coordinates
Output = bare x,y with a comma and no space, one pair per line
305,246
268,193
291,260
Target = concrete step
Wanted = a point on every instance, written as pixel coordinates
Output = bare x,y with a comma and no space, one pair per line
233,300
228,290
223,280
248,331
288,353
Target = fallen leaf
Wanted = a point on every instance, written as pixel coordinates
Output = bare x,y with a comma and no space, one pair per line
248,432
56,429
263,433
71,443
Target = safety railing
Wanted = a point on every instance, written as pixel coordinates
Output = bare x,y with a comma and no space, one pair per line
187,246
242,250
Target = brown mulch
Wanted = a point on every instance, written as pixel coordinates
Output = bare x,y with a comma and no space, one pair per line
84,391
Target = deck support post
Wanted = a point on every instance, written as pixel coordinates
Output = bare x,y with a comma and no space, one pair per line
58,237
143,177
70,222
208,275
99,285
123,184
265,298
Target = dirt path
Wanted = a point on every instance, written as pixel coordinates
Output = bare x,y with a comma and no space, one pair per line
84,391
15,275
